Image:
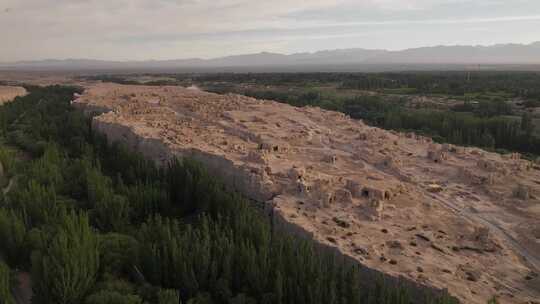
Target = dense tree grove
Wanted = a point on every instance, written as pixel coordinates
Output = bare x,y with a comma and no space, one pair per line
518,84
463,128
96,223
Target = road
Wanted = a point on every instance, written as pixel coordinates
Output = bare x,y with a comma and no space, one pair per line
532,258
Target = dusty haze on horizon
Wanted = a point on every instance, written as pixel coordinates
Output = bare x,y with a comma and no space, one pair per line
170,29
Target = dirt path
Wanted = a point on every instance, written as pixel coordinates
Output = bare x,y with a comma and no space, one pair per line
23,292
532,258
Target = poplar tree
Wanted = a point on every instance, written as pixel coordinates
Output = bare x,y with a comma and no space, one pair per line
5,284
65,270
13,235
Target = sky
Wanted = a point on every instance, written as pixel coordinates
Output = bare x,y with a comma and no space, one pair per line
173,29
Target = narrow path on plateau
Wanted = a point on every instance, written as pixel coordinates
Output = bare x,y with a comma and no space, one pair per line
532,258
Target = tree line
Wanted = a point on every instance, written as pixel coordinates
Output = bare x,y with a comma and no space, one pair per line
457,83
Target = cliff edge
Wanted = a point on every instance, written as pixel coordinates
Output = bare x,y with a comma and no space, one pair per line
439,215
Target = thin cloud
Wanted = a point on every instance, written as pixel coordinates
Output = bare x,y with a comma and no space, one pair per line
425,21
169,29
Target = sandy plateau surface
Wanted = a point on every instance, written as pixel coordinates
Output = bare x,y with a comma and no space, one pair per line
38,78
441,215
8,93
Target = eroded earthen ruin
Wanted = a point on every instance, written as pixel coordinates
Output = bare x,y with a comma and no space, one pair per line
443,216
8,93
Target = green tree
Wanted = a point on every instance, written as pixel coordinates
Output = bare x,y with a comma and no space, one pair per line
168,296
202,298
488,140
65,270
39,203
117,253
5,284
112,297
110,210
13,235
527,124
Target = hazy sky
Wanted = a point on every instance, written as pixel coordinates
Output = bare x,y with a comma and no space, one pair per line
167,29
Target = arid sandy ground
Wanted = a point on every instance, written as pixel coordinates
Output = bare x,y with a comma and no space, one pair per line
451,217
40,78
8,93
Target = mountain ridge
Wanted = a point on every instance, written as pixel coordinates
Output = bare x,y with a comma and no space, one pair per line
510,53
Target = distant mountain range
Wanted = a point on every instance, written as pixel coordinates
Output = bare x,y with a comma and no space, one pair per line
507,54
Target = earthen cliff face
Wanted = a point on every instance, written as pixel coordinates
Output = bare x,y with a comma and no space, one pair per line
8,93
444,216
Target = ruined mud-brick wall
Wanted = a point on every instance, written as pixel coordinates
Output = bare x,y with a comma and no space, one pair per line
235,177
240,179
